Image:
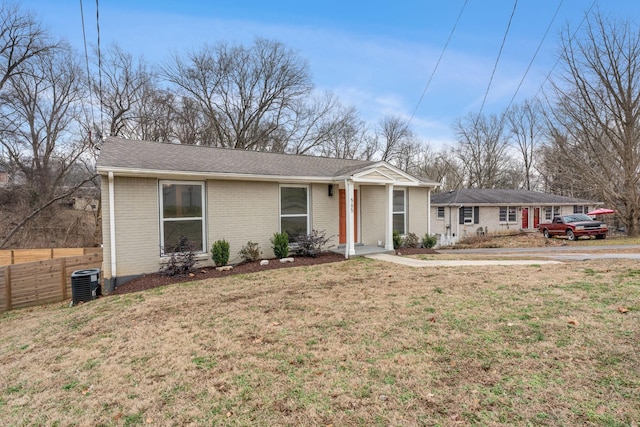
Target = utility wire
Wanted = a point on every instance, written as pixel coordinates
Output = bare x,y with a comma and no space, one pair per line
584,18
495,66
86,57
438,62
99,67
535,54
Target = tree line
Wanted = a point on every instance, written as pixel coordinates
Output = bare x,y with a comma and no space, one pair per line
580,137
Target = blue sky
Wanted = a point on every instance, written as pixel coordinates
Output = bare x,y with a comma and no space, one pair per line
375,55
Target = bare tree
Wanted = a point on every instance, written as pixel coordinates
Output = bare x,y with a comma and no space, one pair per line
40,111
525,124
21,38
125,82
596,112
442,166
392,133
482,150
246,94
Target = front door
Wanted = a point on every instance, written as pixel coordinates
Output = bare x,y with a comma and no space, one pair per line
525,218
343,216
536,217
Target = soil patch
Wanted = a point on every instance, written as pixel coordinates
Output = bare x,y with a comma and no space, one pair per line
150,281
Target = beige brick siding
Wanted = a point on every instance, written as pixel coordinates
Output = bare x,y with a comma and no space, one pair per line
373,202
241,211
325,214
417,207
137,226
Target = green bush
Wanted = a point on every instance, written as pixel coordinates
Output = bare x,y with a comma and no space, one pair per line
280,244
429,240
397,240
220,253
250,252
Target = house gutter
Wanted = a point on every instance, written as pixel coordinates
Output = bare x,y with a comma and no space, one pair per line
112,226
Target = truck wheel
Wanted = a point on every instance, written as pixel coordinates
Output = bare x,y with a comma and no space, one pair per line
545,233
570,235
601,236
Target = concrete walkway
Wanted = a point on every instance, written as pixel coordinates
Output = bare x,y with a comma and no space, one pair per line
412,262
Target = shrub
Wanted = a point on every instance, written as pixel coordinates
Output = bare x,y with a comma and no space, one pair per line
220,253
397,240
182,258
250,252
429,240
411,240
280,244
311,244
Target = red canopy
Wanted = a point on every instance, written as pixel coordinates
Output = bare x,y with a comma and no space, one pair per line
601,211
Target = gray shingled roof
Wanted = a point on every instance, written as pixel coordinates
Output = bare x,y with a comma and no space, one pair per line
144,155
476,197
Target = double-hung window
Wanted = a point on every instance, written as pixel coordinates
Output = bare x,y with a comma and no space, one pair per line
507,214
550,212
440,212
182,215
399,210
294,211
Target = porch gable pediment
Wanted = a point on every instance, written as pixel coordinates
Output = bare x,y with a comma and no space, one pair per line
383,173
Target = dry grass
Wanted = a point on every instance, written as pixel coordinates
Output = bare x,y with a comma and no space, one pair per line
355,343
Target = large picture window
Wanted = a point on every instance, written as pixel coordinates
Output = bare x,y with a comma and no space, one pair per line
294,211
181,215
399,207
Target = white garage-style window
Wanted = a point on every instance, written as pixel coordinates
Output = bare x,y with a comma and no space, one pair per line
399,210
294,211
182,215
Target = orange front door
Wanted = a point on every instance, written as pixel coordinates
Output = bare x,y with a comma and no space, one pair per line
343,216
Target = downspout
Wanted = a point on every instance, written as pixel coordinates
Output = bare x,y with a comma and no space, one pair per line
112,226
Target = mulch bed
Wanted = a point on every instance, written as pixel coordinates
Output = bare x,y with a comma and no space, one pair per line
150,281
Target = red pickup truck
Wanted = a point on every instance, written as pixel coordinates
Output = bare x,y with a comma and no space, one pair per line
574,226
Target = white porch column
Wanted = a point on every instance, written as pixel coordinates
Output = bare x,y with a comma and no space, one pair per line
350,247
388,228
112,225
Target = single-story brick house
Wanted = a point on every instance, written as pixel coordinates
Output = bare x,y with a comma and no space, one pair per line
153,193
467,212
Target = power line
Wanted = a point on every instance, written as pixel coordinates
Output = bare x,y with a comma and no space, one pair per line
86,57
438,62
535,54
99,66
572,36
495,66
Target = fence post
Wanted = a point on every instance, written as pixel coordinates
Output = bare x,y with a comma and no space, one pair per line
7,287
63,272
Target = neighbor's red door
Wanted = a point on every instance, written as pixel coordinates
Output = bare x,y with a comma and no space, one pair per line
525,218
536,217
343,216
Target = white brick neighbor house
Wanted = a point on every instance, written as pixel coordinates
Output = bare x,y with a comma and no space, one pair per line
468,212
153,193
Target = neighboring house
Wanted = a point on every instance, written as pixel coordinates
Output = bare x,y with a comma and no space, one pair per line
469,212
153,193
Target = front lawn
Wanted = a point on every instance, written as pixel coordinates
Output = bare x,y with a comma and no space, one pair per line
354,343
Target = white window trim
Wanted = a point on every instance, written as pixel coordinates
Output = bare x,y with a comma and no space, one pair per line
509,209
441,218
161,183
554,210
308,214
404,209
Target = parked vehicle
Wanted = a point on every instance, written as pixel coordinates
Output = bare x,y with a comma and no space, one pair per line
574,226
